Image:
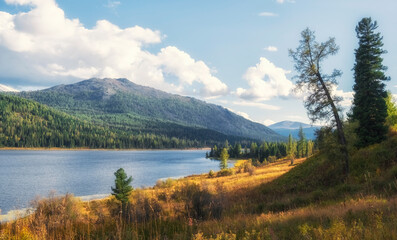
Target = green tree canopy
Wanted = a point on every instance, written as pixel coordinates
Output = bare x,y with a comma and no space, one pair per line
224,158
391,119
291,149
302,143
369,106
122,187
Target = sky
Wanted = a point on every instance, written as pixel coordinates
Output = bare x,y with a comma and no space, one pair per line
227,52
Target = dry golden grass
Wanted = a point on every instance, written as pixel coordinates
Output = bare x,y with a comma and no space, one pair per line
203,207
242,180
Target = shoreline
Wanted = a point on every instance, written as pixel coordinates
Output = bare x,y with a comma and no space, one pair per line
15,214
97,149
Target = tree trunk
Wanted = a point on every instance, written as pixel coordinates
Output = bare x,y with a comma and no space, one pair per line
339,127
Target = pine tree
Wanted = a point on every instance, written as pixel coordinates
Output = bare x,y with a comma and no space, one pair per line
391,119
369,106
291,149
253,150
122,187
309,149
301,148
224,158
237,150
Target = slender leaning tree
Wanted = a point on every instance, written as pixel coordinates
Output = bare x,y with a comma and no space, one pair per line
321,104
369,105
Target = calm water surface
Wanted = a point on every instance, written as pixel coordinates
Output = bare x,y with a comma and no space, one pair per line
27,174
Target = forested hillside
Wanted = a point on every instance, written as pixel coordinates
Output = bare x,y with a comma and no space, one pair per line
25,123
122,104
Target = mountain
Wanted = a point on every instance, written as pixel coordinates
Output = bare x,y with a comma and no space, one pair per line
25,123
4,88
121,104
289,125
285,128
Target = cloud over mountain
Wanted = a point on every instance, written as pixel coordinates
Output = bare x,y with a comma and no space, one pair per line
266,81
42,44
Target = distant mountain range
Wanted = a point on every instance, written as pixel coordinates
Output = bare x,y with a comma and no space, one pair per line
289,127
123,105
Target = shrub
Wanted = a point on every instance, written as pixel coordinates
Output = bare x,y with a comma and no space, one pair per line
169,182
249,168
144,208
211,174
225,172
56,211
200,204
271,159
393,173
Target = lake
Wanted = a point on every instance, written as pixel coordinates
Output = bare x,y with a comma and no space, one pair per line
27,174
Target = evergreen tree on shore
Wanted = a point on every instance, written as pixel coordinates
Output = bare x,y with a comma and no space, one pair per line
122,188
224,158
369,106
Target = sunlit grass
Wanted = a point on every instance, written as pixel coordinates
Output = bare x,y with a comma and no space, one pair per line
253,203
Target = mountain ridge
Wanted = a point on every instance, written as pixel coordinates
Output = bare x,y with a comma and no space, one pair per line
122,103
292,127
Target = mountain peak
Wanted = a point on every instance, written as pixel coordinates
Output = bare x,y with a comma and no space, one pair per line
120,102
289,125
286,128
104,88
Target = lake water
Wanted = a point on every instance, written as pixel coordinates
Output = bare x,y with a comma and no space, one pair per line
27,174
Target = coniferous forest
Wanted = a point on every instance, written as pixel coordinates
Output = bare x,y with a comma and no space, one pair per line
25,123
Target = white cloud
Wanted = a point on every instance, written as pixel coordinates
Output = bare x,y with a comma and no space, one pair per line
4,88
267,14
112,4
271,49
43,45
181,65
295,118
218,101
266,81
283,1
268,122
347,97
243,114
256,105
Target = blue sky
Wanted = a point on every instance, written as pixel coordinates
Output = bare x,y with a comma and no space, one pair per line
231,53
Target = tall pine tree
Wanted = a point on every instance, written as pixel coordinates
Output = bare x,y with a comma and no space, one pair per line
301,148
224,157
122,188
369,106
291,149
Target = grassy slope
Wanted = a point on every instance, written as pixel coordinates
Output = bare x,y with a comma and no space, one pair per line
308,202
